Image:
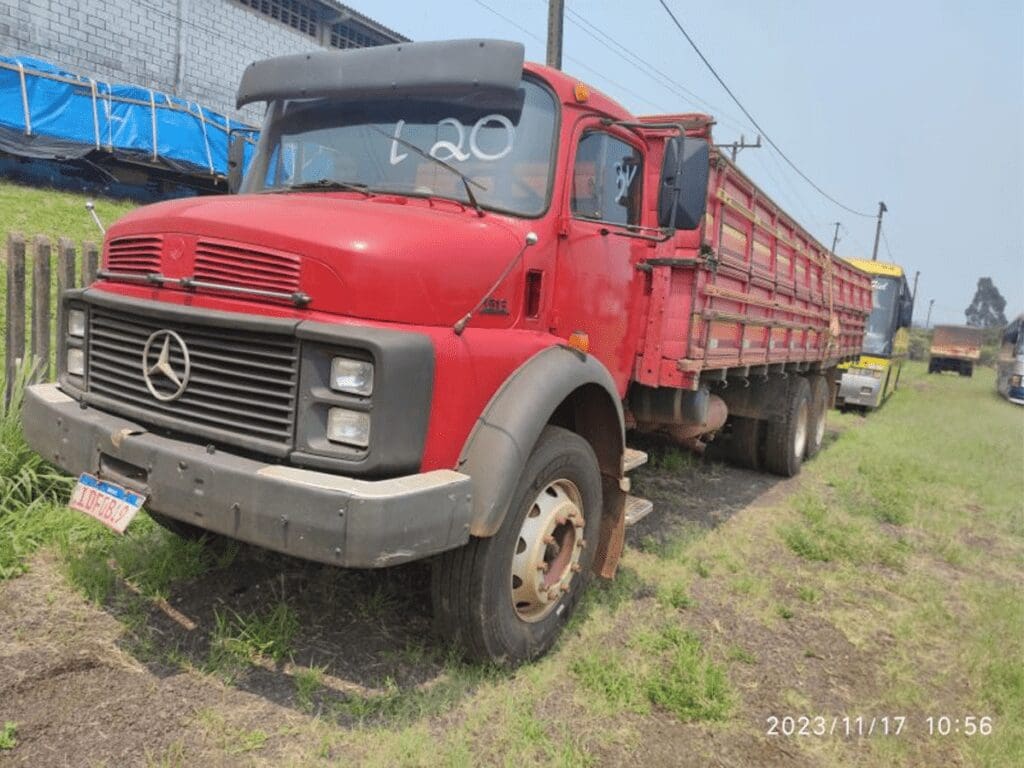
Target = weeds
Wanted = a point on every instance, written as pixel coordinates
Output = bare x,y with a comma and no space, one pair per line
808,594
239,640
667,668
674,596
738,653
8,735
30,488
308,682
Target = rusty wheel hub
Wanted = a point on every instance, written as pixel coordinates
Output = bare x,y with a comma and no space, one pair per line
548,550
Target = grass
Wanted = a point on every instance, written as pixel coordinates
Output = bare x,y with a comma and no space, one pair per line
8,735
666,668
32,211
239,640
308,682
230,741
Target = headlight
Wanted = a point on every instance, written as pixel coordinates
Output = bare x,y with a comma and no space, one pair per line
349,427
76,362
76,323
352,376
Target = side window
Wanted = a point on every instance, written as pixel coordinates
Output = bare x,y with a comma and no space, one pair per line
606,181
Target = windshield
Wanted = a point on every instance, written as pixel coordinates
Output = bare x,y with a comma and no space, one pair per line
495,152
882,322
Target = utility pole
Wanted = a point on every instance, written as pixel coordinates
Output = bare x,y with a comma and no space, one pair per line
735,146
878,230
913,293
928,321
835,239
556,13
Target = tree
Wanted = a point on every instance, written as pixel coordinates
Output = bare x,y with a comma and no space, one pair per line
986,310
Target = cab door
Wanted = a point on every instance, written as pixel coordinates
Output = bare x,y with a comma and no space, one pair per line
597,284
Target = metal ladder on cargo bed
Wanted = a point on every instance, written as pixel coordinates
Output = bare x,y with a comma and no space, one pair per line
636,508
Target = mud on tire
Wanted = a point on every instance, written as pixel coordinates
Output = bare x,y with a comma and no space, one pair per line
506,598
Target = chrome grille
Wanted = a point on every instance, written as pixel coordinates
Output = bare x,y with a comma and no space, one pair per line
242,387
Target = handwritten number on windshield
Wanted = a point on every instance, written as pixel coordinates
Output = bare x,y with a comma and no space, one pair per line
447,150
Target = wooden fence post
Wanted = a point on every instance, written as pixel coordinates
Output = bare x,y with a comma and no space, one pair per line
65,281
90,263
15,348
41,308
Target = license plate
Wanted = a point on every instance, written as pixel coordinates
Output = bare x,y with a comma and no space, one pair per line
111,504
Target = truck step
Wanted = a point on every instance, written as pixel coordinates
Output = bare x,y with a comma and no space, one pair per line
633,459
637,509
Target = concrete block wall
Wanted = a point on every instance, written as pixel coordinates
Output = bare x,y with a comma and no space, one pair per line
195,49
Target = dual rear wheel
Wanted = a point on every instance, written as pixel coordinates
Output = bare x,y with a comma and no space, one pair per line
781,445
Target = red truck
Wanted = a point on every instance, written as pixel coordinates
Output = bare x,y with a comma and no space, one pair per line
449,285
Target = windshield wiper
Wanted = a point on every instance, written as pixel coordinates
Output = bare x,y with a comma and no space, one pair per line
348,186
466,180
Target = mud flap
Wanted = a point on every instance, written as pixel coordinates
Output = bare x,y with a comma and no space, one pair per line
613,529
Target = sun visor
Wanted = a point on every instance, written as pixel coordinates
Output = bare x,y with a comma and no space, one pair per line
442,68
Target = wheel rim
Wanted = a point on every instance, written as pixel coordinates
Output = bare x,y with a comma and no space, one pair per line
548,549
819,428
800,435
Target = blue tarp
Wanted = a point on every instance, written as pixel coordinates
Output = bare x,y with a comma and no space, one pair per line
46,112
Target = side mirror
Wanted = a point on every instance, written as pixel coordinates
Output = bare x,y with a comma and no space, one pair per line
906,317
683,195
906,312
236,162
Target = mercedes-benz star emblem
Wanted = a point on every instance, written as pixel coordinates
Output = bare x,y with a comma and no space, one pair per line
162,368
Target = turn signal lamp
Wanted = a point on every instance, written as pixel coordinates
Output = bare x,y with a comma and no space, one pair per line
581,92
579,341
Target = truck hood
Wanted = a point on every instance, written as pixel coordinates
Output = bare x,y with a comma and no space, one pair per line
385,258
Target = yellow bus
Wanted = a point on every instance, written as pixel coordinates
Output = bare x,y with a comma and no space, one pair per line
869,381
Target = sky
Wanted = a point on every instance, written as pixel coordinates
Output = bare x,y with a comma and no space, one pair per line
918,104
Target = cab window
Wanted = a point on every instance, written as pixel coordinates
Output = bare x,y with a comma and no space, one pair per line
606,182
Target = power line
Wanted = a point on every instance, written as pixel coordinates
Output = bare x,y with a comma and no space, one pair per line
660,77
578,63
750,117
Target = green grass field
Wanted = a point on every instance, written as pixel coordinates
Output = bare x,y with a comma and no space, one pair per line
32,211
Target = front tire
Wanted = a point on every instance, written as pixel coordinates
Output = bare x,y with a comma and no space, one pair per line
506,598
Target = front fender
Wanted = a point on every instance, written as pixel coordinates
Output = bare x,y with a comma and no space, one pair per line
507,430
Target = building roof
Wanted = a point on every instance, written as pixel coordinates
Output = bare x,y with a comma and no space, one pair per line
346,13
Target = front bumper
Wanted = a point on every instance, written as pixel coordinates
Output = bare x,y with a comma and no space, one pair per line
859,389
311,515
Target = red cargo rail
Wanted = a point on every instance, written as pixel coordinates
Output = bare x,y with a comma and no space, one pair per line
758,290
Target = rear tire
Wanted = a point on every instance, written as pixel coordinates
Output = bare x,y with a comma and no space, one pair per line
745,442
786,440
818,416
506,598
